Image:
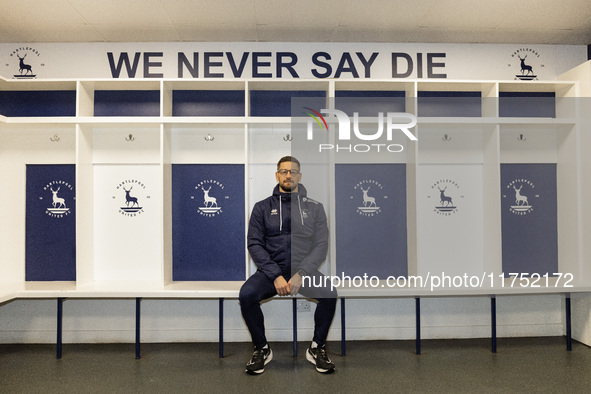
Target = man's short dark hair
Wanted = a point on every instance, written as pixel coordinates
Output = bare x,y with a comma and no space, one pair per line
288,158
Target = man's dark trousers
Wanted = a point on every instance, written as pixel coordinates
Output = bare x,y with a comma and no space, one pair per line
259,287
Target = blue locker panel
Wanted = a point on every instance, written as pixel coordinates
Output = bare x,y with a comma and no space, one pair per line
127,103
369,103
278,102
371,220
208,233
529,218
38,103
527,104
464,104
208,103
50,241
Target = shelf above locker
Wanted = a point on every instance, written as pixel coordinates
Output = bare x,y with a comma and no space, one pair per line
562,89
495,120
36,84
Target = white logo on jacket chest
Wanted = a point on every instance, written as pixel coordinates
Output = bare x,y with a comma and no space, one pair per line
305,213
273,211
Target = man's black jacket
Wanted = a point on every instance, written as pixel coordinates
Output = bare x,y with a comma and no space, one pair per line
288,232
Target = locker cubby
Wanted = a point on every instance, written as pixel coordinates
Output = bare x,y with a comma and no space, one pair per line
519,99
401,94
38,103
119,98
460,143
125,144
449,104
203,98
274,99
370,102
38,99
126,103
20,145
542,145
206,143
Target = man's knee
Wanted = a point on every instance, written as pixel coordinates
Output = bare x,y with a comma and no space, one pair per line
246,294
328,301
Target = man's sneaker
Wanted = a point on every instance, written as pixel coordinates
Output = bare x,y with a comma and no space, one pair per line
319,358
260,358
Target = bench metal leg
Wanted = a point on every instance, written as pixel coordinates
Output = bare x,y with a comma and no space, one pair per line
418,324
60,316
295,327
569,344
493,323
138,302
343,343
221,329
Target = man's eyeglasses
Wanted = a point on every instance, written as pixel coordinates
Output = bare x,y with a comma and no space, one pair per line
292,172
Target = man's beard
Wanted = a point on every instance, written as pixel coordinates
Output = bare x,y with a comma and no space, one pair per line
292,186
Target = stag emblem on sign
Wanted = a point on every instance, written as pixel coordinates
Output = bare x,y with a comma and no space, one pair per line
24,67
25,70
444,191
368,198
130,200
131,206
445,201
526,70
521,198
59,206
210,206
521,201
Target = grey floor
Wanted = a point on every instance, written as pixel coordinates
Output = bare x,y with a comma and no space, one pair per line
539,365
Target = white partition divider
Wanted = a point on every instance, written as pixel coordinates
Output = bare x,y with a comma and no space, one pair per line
450,219
127,231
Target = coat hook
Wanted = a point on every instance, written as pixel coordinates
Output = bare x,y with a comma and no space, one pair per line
130,138
521,138
209,137
446,138
287,137
55,138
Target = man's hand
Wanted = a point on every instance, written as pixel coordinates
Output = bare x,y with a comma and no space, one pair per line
295,282
282,286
